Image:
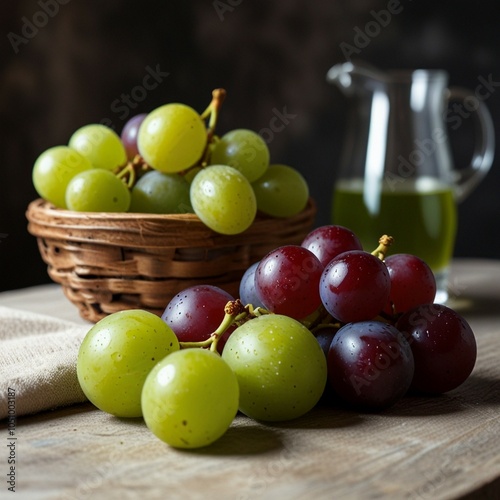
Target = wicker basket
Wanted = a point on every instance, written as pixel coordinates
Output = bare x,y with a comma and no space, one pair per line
111,262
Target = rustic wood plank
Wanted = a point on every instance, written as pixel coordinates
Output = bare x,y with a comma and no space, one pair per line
443,447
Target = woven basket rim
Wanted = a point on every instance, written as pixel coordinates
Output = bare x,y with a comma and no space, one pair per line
47,208
148,230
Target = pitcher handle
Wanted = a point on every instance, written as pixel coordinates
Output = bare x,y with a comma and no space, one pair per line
468,178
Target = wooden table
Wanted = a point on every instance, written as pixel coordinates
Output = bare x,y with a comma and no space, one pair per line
424,448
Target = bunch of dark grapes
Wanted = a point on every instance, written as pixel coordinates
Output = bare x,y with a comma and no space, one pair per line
373,315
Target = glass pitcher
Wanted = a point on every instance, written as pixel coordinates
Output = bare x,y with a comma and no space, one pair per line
397,174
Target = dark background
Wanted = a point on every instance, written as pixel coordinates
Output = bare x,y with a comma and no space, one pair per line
269,55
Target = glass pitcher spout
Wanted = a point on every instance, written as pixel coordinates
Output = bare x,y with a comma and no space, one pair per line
353,77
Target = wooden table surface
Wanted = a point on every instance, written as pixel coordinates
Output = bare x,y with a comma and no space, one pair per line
423,448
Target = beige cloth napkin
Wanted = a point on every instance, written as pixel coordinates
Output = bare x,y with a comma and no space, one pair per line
37,362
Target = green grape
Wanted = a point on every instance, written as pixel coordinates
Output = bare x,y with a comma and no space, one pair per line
159,193
280,366
172,138
281,191
244,150
97,190
101,145
116,356
190,398
223,199
53,170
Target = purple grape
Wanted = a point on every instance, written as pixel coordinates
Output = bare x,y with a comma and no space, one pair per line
412,283
324,336
370,364
326,242
443,346
196,312
248,294
129,135
287,281
355,286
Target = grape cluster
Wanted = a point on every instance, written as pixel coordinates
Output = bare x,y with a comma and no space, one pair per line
323,321
171,161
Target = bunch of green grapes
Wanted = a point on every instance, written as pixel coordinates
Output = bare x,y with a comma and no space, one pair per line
132,364
170,161
80,176
239,180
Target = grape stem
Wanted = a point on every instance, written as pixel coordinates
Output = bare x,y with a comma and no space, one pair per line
235,313
132,170
385,242
321,326
318,319
212,111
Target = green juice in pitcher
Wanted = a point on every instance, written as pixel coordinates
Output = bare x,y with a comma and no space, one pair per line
420,215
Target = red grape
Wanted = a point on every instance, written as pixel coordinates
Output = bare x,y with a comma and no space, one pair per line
287,281
370,364
443,346
355,286
196,312
412,283
326,242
